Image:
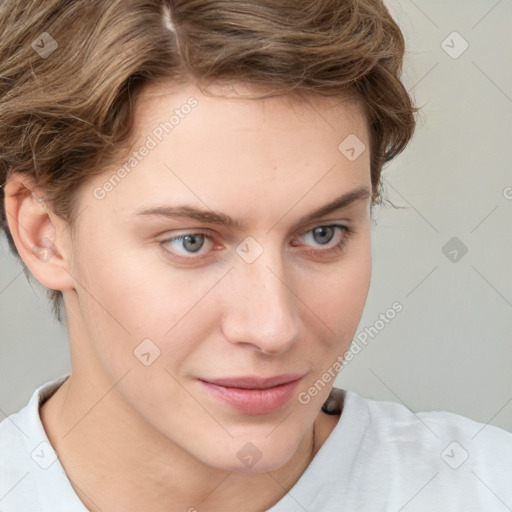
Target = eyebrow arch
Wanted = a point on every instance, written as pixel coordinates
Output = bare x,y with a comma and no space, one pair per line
213,217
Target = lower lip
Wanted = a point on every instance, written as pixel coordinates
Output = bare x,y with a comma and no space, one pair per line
254,401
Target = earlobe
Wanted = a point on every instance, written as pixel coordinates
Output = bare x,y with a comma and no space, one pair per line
35,231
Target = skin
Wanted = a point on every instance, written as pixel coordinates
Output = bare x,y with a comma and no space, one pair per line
152,432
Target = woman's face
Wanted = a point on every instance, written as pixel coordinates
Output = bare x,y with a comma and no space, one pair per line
171,296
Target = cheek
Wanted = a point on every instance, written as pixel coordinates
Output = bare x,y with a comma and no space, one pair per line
337,295
127,284
130,295
337,301
139,316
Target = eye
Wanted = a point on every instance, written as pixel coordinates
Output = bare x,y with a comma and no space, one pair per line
186,244
195,246
323,235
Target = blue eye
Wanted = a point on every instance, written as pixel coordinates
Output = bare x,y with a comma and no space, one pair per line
187,247
192,243
322,234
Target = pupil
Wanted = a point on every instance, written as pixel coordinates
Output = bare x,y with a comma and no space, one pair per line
190,242
325,232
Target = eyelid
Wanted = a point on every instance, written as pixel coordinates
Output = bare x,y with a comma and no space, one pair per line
178,258
207,232
188,233
347,233
323,223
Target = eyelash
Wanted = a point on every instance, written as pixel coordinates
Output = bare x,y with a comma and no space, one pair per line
339,247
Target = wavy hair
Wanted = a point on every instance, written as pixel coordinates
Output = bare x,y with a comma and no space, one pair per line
67,116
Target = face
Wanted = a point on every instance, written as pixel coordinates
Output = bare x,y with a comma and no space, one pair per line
170,303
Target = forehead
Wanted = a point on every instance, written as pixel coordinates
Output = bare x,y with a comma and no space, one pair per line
234,124
160,96
250,158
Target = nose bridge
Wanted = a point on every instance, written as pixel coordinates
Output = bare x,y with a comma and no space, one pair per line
261,308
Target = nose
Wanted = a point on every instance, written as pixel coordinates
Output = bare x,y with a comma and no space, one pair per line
260,307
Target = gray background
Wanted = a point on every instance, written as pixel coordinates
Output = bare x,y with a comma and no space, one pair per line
451,346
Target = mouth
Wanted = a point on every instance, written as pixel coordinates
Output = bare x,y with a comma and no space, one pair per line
253,395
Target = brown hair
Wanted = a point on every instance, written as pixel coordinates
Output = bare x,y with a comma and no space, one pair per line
66,116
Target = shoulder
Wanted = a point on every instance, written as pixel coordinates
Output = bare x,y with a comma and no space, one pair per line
452,459
27,459
15,463
397,420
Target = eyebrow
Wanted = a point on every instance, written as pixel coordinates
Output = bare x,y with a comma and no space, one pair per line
213,217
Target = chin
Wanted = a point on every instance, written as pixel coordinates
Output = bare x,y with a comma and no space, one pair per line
260,455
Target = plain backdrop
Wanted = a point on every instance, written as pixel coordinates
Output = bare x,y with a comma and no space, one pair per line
445,257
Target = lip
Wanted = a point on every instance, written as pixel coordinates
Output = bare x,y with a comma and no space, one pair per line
254,395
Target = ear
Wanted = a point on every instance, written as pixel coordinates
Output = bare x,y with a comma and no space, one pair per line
39,235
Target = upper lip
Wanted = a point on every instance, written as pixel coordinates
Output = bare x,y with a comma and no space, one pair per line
254,382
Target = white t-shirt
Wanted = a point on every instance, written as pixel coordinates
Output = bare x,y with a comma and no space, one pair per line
379,457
